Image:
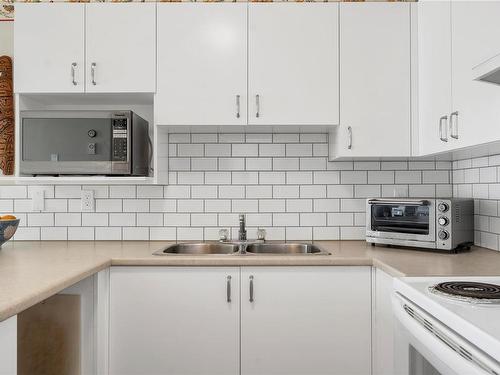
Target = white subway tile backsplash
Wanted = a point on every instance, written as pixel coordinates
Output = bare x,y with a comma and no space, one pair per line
68,219
488,174
162,234
135,234
259,164
95,219
192,205
122,191
204,191
27,234
273,178
231,191
231,164
353,177
108,233
177,191
297,178
80,234
54,233
149,191
283,182
135,205
285,164
245,150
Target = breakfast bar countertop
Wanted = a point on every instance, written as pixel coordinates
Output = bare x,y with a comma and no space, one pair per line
31,271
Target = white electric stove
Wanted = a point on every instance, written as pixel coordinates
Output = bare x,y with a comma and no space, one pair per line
447,326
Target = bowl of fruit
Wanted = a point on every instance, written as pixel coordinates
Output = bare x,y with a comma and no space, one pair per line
8,226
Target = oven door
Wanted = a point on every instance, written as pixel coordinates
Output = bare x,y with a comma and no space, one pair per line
406,220
425,346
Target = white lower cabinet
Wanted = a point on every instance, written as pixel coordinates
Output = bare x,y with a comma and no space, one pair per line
8,346
383,324
174,320
305,320
179,320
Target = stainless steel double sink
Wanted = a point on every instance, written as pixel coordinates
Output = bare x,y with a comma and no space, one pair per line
232,248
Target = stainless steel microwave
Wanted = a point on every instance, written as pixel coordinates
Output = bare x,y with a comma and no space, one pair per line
84,143
442,224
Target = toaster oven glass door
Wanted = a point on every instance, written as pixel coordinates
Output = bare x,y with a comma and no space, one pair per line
406,220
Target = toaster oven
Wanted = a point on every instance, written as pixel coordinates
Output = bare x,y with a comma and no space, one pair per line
442,224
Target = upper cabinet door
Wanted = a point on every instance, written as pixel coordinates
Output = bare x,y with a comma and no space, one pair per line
202,64
293,71
120,47
434,75
49,48
375,80
475,38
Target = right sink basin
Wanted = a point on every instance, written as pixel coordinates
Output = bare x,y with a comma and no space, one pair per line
285,249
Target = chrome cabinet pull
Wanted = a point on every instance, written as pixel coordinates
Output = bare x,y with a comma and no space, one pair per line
92,71
228,289
349,137
441,137
237,106
454,134
257,105
251,288
73,69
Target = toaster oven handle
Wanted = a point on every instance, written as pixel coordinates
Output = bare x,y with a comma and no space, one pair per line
412,202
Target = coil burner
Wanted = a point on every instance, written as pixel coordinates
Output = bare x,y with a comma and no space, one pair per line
468,291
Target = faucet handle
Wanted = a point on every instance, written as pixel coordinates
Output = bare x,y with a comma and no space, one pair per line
223,235
261,234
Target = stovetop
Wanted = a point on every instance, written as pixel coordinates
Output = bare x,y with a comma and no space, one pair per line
477,322
468,291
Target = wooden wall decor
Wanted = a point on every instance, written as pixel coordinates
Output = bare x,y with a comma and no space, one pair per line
6,116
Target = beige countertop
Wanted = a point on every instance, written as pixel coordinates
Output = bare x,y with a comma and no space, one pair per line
33,271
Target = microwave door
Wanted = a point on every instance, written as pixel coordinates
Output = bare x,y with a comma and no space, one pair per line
66,146
412,220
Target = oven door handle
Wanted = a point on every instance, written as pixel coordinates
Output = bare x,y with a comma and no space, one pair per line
412,202
446,345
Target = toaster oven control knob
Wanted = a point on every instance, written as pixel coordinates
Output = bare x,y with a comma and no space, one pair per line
443,235
443,221
92,133
443,207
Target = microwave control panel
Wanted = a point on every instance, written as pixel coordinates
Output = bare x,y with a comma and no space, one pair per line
120,139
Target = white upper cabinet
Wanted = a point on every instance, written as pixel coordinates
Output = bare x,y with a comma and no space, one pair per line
202,64
49,48
475,38
293,64
302,320
434,76
120,47
66,48
375,79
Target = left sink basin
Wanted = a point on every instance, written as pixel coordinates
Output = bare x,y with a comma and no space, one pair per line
205,248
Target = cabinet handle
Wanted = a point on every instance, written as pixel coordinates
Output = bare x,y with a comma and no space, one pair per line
257,105
441,137
73,69
349,138
237,106
251,288
92,71
454,134
228,289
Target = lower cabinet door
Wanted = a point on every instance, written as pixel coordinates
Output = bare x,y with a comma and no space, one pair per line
174,320
305,320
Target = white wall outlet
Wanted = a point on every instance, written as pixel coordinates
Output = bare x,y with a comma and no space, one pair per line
38,199
87,200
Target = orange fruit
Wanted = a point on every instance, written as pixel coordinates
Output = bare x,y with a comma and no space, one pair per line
8,217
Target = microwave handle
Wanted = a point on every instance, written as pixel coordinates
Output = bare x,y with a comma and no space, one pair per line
413,202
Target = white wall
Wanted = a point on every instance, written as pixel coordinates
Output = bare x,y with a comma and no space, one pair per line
6,38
